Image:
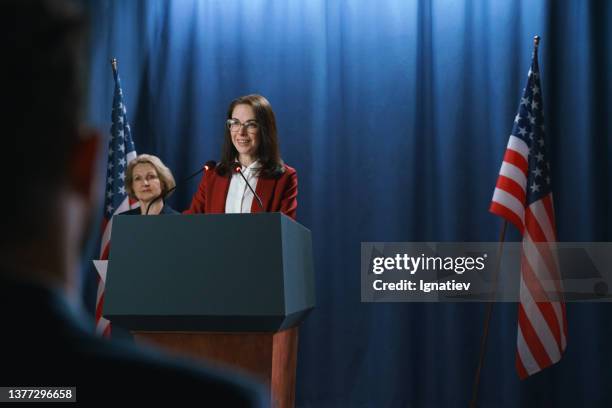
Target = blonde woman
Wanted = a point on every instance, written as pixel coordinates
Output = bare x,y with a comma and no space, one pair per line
146,179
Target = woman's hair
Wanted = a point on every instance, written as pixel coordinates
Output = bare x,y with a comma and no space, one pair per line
268,152
163,172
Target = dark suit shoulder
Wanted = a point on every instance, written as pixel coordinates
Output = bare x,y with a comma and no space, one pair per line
52,344
126,369
133,211
166,210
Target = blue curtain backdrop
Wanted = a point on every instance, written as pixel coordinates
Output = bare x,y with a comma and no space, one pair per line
396,115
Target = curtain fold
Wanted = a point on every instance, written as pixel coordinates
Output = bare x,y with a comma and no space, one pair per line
396,115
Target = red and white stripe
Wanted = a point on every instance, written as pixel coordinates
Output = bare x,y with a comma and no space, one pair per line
103,326
510,191
542,323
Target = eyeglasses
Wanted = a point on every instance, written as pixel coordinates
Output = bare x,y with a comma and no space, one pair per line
234,125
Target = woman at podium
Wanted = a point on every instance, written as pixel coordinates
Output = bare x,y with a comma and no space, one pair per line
251,176
149,181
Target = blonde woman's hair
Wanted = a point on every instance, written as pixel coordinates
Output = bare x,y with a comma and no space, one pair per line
163,172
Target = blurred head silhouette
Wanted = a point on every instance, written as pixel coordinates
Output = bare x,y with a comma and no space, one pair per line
53,156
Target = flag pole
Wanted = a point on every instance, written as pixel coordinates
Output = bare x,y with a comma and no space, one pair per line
488,312
489,309
113,62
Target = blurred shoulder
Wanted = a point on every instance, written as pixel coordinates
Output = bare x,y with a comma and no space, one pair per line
124,368
52,342
178,376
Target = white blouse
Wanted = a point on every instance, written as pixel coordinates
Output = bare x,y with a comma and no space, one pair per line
239,196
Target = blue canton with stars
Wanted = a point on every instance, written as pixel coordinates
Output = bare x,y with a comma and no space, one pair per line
529,127
120,151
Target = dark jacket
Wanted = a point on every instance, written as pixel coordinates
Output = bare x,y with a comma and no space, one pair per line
166,210
47,343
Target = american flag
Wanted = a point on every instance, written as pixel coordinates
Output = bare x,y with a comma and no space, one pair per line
523,196
121,151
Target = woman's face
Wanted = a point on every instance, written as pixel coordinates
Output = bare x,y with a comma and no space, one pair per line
145,182
245,131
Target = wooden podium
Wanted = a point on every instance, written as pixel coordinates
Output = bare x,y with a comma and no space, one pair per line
230,289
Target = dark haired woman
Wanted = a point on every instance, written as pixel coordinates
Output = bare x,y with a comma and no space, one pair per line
251,143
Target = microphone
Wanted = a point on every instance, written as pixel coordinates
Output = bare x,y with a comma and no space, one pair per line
238,169
209,165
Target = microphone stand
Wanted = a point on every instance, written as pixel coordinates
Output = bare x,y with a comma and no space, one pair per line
209,165
238,169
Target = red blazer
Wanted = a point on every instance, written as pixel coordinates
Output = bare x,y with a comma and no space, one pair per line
277,195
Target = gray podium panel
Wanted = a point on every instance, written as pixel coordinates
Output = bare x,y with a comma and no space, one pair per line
218,272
